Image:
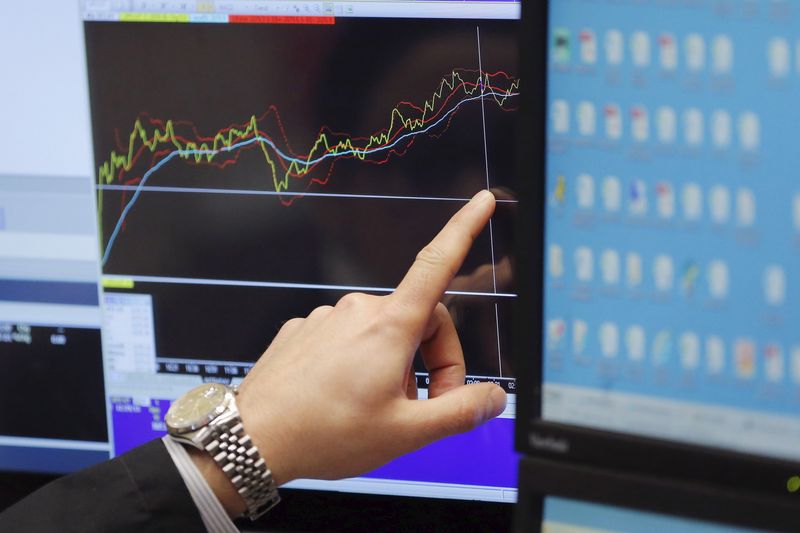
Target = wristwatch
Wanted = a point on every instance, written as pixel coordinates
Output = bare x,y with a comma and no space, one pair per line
207,418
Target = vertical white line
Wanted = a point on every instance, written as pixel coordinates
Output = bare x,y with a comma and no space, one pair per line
488,186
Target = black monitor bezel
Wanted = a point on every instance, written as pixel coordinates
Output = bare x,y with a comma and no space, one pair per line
540,478
574,443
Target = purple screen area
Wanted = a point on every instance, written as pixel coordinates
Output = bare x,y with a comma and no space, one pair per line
483,457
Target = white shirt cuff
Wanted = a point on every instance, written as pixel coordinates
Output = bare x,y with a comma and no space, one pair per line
211,511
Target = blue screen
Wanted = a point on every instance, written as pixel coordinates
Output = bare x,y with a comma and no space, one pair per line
673,221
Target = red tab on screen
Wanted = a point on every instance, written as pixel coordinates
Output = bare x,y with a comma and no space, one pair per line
271,19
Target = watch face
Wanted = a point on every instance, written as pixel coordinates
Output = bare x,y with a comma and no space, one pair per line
197,407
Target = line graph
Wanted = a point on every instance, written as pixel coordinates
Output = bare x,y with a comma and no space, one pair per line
238,189
292,174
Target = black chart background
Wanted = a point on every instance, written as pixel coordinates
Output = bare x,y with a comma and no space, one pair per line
348,76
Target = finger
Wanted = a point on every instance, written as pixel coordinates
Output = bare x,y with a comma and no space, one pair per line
442,353
287,331
411,385
438,262
457,411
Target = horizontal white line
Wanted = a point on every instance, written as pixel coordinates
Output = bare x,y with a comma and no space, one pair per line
27,442
284,285
251,192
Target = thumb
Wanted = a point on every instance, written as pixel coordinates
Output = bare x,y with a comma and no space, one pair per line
456,411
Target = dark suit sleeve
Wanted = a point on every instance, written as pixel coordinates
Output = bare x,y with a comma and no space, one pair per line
139,491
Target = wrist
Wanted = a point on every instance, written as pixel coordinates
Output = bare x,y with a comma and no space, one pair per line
219,483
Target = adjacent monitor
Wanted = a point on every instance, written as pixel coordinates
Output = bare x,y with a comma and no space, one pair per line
664,244
243,164
556,497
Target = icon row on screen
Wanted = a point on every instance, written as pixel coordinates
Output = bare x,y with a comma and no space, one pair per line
693,124
664,199
660,347
666,273
641,49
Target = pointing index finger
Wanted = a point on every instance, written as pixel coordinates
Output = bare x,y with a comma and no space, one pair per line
437,263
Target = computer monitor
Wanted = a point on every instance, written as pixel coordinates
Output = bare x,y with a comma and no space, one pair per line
556,497
246,162
663,257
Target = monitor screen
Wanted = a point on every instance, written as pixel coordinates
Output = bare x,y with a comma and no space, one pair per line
564,515
673,223
246,163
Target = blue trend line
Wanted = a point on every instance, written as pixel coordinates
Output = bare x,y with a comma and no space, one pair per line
271,144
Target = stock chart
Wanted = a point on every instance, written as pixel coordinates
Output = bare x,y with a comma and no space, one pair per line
246,174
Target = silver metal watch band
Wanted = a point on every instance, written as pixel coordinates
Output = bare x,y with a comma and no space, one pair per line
234,452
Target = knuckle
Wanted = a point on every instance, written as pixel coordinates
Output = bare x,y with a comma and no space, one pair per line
351,299
434,258
292,323
432,255
321,311
466,415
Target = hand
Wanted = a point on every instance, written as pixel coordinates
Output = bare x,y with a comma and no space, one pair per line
335,394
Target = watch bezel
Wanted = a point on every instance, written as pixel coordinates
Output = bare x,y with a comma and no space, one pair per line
201,421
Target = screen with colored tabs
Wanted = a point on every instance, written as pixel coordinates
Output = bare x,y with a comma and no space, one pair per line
229,166
562,515
672,245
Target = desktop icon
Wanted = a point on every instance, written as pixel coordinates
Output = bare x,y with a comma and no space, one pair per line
555,260
663,273
722,55
559,115
584,189
779,57
637,198
695,49
635,343
745,207
612,194
640,124
719,204
666,125
693,127
689,344
744,355
715,355
796,211
556,330
588,46
584,264
613,117
796,365
668,51
665,200
689,276
774,285
721,129
640,49
718,279
749,131
633,269
692,198
579,331
773,363
560,192
662,348
562,45
609,339
615,47
587,118
610,267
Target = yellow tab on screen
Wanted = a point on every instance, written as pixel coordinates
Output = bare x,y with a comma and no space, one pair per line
117,283
154,17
